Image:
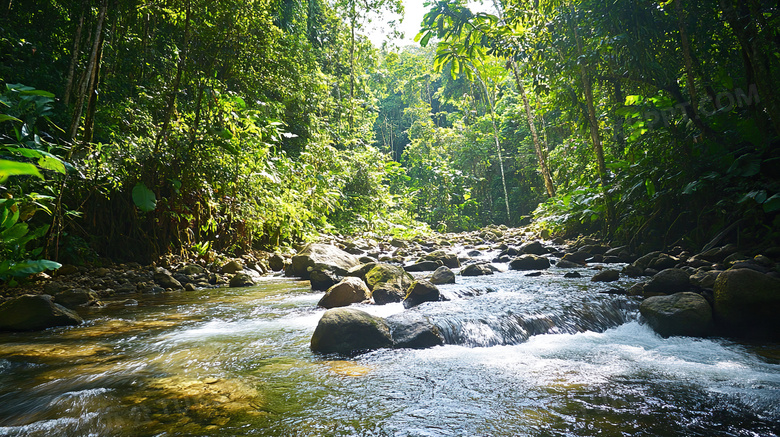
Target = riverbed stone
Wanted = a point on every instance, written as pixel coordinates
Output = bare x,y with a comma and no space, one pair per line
388,283
423,266
704,278
419,292
191,270
414,331
533,248
35,312
350,290
529,262
576,257
444,258
480,269
231,267
669,281
442,275
164,279
76,297
747,302
679,314
276,262
336,259
566,264
350,331
241,280
606,276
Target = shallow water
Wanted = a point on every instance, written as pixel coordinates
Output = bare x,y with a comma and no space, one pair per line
542,356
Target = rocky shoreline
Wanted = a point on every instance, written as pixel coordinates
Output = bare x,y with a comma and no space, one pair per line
725,290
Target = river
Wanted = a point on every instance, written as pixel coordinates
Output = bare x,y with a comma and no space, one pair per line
526,356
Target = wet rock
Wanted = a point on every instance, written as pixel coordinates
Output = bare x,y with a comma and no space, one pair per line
617,291
637,289
337,260
594,249
747,303
419,292
414,331
190,287
662,262
749,265
606,276
422,266
164,279
669,281
54,287
572,275
480,269
685,314
191,270
127,287
533,274
323,277
100,272
704,279
576,257
442,275
529,262
35,312
276,262
349,331
643,262
632,271
241,280
350,290
718,254
443,258
388,283
232,267
66,269
361,270
566,264
76,297
533,248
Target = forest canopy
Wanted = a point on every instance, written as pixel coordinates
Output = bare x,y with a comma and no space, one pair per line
134,129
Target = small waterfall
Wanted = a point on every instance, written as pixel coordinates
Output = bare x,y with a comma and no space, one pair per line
513,328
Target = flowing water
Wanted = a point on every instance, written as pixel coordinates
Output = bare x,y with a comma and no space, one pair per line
526,356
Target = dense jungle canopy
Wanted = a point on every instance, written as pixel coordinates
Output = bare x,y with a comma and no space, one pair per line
134,129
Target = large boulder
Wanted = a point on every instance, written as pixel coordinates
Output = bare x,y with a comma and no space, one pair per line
606,276
747,302
480,269
421,291
687,314
669,281
322,277
442,275
414,331
529,262
32,313
338,260
388,283
533,248
350,331
232,267
350,290
191,269
704,279
164,279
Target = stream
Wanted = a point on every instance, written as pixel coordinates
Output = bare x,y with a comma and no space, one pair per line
526,356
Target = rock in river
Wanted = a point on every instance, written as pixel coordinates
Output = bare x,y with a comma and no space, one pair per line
388,283
336,259
32,313
529,262
748,302
349,331
350,290
421,291
414,331
669,281
442,275
687,314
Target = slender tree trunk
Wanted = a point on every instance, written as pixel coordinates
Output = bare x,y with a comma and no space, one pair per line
74,58
353,18
176,82
498,146
92,92
540,154
686,47
594,130
93,60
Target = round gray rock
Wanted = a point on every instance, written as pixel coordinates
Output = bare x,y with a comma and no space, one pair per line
669,281
442,275
685,314
349,331
350,290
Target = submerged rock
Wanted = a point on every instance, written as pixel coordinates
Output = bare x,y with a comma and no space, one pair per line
747,302
350,290
414,331
350,331
34,312
685,314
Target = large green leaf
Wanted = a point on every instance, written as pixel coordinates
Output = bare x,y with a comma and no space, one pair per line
772,204
13,168
144,198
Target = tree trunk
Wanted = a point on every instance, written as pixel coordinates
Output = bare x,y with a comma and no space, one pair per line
686,47
594,131
540,154
74,58
89,72
352,70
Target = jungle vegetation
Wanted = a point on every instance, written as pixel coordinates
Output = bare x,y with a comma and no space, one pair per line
134,129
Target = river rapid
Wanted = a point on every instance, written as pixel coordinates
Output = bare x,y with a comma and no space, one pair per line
526,356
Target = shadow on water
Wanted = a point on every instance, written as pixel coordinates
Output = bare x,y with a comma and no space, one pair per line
542,356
